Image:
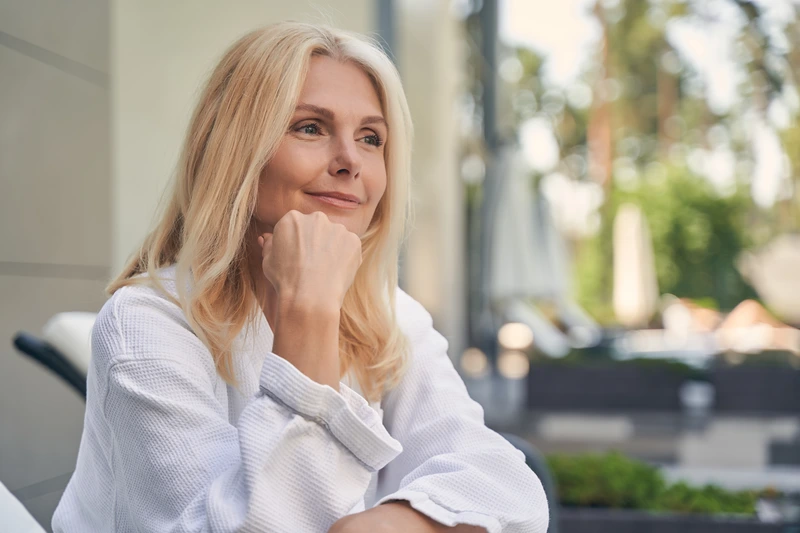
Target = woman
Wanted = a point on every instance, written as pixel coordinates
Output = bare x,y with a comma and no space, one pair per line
257,368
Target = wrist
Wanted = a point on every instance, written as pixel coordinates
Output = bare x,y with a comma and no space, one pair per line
304,307
413,520
307,335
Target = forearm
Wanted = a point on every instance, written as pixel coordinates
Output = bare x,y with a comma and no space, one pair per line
308,337
236,476
394,517
417,521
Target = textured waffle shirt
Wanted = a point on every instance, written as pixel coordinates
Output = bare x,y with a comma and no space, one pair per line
168,446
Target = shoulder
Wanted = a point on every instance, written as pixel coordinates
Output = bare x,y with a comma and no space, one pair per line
410,313
142,321
142,341
133,305
428,364
413,319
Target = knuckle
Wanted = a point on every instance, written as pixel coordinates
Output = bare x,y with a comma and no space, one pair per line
319,219
355,240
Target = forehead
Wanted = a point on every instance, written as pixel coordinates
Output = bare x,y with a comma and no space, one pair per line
339,85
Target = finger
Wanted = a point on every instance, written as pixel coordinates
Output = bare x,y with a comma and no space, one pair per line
266,244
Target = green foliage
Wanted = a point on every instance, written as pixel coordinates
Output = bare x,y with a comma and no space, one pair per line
606,481
710,499
593,276
635,46
614,481
657,115
697,237
706,303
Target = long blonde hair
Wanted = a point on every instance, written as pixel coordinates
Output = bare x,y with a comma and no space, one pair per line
237,126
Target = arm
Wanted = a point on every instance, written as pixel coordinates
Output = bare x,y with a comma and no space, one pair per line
453,468
300,456
396,517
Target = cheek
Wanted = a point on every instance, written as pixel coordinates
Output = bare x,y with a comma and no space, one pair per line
377,191
377,186
276,187
266,212
289,171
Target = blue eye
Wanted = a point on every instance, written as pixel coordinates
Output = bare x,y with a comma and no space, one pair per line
374,140
309,129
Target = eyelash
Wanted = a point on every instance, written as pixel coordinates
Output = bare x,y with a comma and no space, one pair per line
377,143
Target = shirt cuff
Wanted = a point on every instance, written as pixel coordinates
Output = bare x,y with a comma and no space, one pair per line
424,504
345,414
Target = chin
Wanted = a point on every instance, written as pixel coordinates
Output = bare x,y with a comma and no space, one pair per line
348,223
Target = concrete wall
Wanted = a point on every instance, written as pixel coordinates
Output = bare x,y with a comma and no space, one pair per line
55,243
430,62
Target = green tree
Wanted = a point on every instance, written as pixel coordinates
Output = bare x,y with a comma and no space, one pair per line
649,102
697,237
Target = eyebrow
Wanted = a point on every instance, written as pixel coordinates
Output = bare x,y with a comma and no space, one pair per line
328,114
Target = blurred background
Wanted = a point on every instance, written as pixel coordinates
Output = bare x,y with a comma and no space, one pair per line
607,226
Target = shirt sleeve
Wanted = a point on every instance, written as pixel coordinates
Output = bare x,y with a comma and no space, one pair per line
453,468
300,457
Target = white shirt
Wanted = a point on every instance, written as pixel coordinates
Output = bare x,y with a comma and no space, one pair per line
168,446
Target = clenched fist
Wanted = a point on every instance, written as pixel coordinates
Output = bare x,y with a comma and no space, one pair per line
311,262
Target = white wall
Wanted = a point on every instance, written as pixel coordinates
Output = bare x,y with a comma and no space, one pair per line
54,220
430,62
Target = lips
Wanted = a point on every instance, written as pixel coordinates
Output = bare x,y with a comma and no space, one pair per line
339,195
337,199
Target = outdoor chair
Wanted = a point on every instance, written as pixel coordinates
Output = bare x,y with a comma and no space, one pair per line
13,515
65,347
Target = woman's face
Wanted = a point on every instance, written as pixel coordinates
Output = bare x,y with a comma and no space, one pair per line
331,158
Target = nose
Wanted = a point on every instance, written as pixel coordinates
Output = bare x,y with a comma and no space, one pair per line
346,161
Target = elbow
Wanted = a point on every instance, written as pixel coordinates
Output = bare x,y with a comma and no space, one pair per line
539,514
533,507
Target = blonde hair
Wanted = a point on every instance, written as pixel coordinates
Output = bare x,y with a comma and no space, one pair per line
237,126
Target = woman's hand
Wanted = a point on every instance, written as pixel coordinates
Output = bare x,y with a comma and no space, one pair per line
310,260
311,263
395,517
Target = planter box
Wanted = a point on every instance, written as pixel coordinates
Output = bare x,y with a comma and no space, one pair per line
620,521
757,389
749,388
603,388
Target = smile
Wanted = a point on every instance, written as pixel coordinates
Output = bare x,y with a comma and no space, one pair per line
337,200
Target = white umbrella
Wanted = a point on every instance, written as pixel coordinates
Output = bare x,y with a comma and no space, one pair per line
635,282
529,261
517,247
